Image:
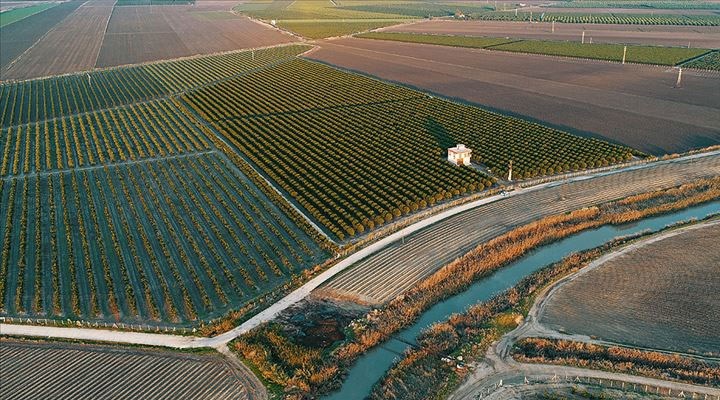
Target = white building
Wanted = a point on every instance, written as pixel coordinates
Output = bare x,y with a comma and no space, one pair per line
459,155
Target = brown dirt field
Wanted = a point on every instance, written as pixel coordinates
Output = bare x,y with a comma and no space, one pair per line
631,104
73,45
150,33
659,296
700,37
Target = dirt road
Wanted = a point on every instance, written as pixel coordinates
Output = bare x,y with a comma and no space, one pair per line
433,242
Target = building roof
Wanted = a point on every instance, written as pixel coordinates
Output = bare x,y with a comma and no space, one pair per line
460,148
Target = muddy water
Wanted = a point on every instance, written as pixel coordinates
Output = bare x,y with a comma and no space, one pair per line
373,365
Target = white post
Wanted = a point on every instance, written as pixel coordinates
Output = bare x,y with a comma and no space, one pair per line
624,53
582,41
677,84
530,16
253,55
516,12
553,26
510,172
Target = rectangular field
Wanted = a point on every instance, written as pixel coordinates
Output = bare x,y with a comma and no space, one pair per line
72,45
17,14
141,34
611,52
17,38
357,153
133,215
660,35
638,106
37,100
656,296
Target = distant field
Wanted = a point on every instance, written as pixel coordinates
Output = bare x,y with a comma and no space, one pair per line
602,18
653,35
29,101
72,45
357,153
16,14
51,370
658,296
638,54
17,38
331,28
710,61
140,34
641,4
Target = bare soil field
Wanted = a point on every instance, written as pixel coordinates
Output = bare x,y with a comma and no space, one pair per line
45,370
696,36
72,45
630,104
17,38
150,33
659,296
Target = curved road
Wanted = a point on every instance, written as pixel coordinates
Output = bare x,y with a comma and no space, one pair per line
410,254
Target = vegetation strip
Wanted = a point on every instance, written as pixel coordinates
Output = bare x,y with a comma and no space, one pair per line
303,370
610,52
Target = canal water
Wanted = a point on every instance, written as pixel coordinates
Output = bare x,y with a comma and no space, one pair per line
372,366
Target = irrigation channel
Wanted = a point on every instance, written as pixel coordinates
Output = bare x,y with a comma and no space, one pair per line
373,365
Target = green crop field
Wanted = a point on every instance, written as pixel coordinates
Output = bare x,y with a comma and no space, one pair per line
640,4
444,40
121,3
132,213
418,9
710,61
330,28
16,14
602,18
611,52
357,153
28,101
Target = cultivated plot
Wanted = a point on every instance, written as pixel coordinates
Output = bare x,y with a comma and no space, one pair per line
151,33
357,153
131,214
15,39
40,99
657,296
62,370
634,105
662,35
72,45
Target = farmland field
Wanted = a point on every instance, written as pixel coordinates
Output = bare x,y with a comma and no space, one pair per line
600,18
656,296
634,105
184,233
17,14
46,370
36,100
659,35
710,61
140,34
17,38
611,52
70,46
390,142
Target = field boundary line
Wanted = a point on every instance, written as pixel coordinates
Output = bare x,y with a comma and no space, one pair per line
196,153
198,119
102,42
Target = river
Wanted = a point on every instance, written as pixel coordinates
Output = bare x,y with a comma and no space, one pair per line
372,366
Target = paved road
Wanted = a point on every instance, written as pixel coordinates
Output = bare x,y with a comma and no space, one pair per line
386,274
434,241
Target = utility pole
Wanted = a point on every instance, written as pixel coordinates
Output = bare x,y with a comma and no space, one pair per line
679,79
510,172
553,26
624,53
582,40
